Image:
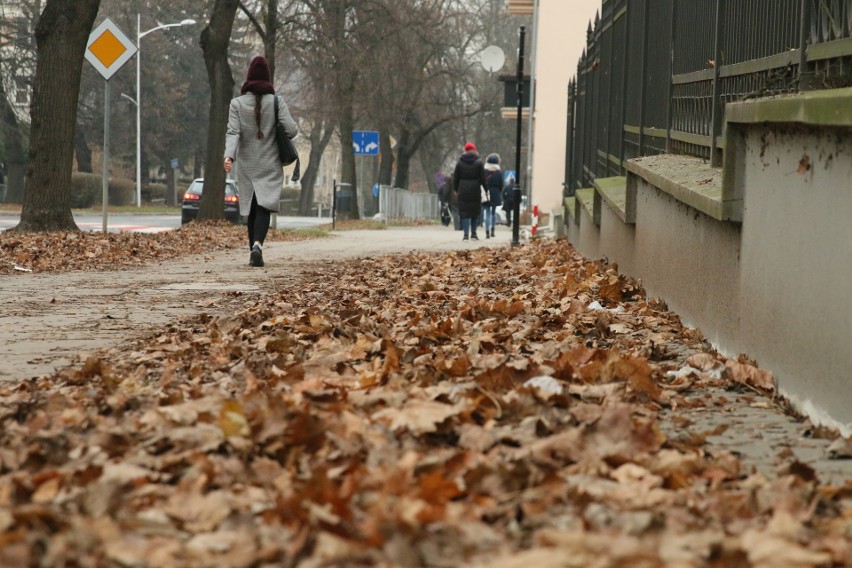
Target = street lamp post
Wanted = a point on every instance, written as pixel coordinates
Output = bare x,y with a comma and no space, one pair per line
139,35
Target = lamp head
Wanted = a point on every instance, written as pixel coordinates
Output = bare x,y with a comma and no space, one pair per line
187,22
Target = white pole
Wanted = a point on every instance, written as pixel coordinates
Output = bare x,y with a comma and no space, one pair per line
138,115
139,36
105,197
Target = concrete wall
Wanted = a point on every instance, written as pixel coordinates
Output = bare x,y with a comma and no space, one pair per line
776,287
589,236
618,241
691,261
796,281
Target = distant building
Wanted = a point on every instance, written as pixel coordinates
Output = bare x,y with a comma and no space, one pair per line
550,73
17,57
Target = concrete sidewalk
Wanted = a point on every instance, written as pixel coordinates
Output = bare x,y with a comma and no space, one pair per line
48,321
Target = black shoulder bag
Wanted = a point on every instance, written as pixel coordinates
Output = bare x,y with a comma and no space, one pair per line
286,150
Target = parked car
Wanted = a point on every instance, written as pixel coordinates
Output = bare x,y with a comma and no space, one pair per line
192,199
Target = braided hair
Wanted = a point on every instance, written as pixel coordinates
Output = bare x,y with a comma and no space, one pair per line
257,108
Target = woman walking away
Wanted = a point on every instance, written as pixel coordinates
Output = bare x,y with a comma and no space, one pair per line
494,183
251,138
468,181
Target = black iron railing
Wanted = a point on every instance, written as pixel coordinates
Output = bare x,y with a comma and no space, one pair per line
656,74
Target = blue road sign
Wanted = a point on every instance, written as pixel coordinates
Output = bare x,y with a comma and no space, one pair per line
509,174
365,142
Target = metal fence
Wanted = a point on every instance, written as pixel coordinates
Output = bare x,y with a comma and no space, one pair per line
656,74
403,204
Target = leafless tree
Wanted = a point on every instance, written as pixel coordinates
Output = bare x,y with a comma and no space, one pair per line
327,40
17,69
61,36
214,43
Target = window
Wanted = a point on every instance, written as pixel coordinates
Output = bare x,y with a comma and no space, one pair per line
22,25
22,91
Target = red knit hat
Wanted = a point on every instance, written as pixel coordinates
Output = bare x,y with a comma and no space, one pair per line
470,147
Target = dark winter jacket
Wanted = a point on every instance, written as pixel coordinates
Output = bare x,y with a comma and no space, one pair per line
468,181
508,196
494,183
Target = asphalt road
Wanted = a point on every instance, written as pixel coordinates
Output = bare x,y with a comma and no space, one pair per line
144,223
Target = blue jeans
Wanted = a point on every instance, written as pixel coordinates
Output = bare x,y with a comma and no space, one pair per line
490,217
468,226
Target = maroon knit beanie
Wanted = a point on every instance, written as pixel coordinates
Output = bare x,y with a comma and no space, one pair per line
258,69
470,147
258,80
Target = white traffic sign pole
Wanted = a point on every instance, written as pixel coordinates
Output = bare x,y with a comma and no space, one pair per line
106,154
107,50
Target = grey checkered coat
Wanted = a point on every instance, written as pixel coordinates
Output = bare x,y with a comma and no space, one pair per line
259,171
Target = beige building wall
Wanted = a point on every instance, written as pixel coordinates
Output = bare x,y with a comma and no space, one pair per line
553,69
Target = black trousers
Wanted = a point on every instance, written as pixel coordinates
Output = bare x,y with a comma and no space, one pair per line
258,222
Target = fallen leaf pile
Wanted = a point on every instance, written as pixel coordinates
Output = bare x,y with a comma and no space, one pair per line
493,407
88,250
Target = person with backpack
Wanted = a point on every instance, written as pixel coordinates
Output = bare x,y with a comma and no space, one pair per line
443,190
509,200
494,190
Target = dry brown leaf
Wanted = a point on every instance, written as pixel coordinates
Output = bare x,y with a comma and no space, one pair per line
751,375
418,416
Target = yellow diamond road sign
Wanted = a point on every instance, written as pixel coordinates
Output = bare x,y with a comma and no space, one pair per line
108,48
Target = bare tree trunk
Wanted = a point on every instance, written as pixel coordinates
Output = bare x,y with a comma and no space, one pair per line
171,187
197,162
347,123
430,160
61,35
16,154
387,159
270,39
214,43
82,152
404,152
320,136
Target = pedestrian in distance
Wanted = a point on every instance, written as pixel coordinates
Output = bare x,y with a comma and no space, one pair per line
468,183
251,139
453,204
494,184
509,199
443,190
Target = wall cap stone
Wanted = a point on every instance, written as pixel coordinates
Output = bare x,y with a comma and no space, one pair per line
613,190
831,107
585,199
688,179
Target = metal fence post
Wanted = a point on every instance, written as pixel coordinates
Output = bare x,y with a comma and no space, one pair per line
644,86
718,110
624,79
569,142
608,30
669,105
516,226
804,32
580,132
